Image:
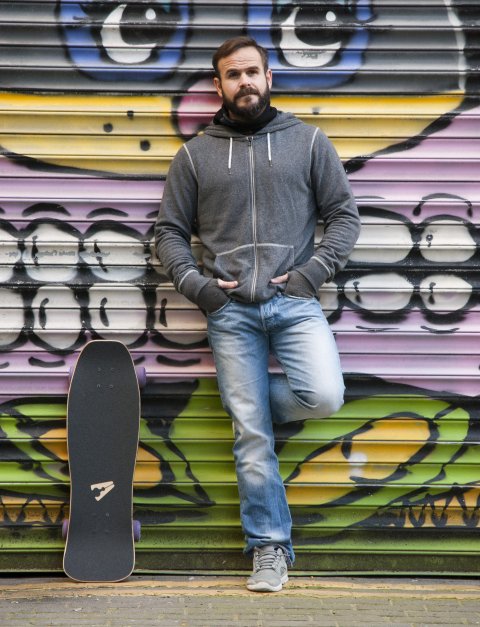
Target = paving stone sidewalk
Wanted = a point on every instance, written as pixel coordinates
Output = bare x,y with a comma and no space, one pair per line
211,601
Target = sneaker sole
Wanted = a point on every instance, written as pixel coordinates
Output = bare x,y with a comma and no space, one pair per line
264,586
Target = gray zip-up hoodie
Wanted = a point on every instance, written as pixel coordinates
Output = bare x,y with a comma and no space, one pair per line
254,203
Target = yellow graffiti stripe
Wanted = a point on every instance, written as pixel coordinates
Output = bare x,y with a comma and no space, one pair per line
147,470
363,125
136,135
131,135
370,455
33,511
302,495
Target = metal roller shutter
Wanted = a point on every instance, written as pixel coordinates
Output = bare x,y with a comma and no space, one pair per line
95,99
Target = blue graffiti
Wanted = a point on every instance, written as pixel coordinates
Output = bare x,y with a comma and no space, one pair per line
313,45
134,41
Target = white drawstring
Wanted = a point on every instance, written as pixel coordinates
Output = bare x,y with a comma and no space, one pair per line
230,153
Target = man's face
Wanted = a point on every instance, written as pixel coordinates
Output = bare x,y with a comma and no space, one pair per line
244,85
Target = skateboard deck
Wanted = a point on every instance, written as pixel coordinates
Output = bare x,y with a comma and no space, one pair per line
103,416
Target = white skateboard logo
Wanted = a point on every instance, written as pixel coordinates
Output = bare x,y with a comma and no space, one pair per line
103,488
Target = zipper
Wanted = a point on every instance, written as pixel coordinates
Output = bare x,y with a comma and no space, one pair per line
254,217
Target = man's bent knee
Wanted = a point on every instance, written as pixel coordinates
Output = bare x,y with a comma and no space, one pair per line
317,405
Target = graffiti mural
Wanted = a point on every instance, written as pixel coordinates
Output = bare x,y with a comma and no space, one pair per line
95,99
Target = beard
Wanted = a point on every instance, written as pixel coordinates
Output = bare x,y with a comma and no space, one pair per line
251,110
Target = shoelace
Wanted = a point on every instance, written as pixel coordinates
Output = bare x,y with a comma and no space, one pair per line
269,559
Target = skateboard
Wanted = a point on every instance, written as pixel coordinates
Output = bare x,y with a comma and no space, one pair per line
103,418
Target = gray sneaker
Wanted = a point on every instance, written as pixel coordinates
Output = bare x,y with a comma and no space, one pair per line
269,569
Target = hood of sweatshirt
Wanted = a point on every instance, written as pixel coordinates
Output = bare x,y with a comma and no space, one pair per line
280,122
246,128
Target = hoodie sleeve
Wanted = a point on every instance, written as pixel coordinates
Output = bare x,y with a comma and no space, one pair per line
173,228
338,210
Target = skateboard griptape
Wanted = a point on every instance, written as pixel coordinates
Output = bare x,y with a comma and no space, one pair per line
102,437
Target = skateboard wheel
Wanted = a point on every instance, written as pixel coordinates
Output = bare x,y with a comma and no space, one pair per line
137,530
141,376
65,528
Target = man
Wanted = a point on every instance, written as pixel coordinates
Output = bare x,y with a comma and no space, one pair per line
252,187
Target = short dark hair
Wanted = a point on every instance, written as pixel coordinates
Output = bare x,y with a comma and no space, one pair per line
236,43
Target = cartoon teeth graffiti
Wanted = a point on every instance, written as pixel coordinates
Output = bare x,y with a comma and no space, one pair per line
423,284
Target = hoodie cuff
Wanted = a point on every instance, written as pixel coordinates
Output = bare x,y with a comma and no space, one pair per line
192,284
203,291
211,297
315,273
298,285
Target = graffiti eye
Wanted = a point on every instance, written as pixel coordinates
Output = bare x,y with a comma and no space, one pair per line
131,33
125,41
311,35
369,292
118,314
57,317
324,41
444,240
443,294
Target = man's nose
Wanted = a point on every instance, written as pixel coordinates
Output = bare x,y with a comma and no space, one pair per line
244,80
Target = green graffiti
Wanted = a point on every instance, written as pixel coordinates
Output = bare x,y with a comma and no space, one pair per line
389,461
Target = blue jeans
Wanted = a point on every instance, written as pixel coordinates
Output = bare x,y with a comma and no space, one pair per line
242,336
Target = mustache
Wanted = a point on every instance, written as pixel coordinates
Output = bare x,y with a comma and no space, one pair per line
247,91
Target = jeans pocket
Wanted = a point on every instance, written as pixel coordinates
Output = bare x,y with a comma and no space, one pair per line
305,298
217,312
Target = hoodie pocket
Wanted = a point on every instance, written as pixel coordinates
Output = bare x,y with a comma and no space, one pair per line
254,267
273,260
235,264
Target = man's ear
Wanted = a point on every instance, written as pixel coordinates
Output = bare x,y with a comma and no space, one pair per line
218,86
268,75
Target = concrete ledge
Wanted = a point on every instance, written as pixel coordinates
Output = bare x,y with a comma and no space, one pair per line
57,587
